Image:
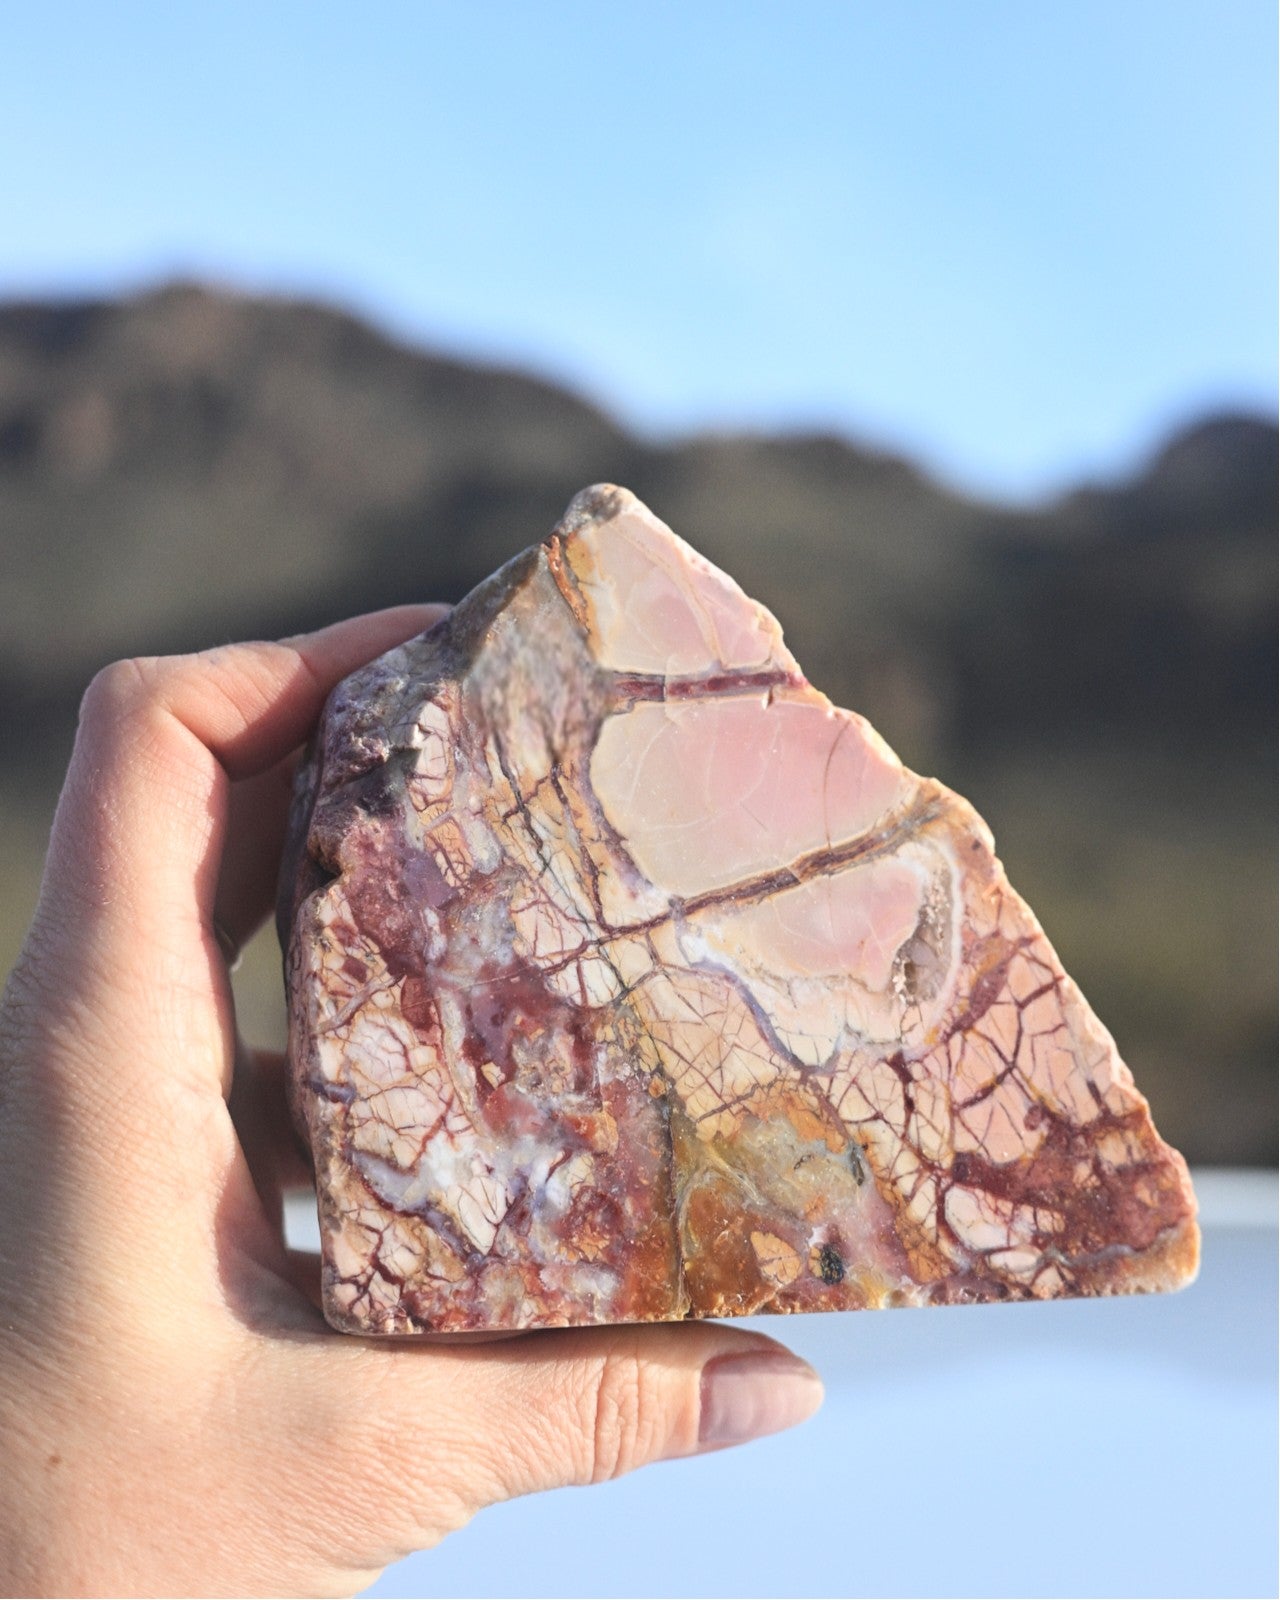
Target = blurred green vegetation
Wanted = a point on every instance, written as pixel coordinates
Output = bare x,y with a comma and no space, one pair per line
1097,675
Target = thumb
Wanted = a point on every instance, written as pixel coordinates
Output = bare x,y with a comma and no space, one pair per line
464,1426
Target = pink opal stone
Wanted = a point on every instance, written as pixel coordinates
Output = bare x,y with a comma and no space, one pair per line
632,980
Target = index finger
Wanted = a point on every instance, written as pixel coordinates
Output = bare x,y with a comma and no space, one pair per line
139,831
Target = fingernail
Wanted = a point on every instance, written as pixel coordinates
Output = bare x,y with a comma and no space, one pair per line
758,1392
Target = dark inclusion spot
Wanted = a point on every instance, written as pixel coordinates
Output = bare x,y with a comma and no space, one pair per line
341,1094
857,1165
318,874
379,794
831,1265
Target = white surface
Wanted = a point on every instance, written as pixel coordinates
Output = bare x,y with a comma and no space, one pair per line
1121,1447
1234,1197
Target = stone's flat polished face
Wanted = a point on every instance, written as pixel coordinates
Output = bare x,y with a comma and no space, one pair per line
630,979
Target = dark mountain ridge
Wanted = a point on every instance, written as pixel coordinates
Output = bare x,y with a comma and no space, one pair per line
186,466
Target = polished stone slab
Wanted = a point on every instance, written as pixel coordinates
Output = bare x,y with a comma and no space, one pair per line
632,980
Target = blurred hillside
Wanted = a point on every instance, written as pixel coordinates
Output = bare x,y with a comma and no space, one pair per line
1098,676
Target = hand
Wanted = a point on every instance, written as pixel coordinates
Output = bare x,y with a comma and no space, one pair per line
175,1416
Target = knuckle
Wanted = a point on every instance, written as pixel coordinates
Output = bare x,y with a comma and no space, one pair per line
118,689
628,1415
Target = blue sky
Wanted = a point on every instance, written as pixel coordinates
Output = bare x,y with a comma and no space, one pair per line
1016,241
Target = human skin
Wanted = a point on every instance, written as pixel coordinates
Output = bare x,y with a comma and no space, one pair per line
175,1415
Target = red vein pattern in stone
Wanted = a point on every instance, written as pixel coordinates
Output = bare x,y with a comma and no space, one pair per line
630,980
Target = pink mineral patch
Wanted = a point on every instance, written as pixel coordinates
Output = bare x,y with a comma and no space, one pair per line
631,980
712,790
655,606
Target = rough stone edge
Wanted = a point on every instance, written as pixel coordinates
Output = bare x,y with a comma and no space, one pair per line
600,503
